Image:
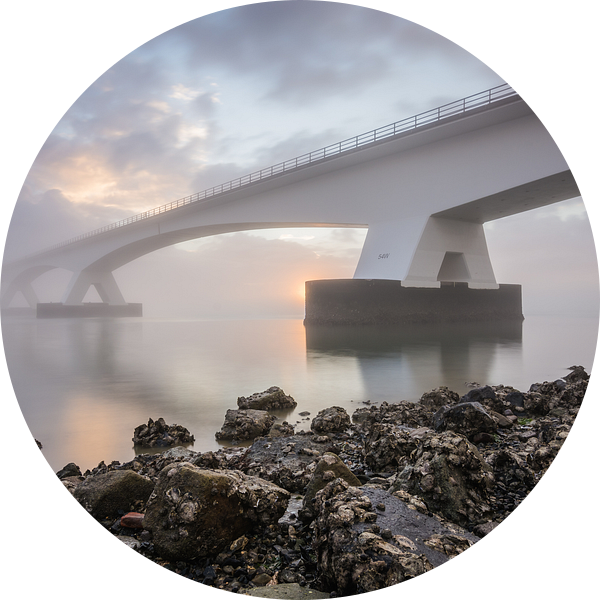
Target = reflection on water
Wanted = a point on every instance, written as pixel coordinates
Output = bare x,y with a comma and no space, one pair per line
401,362
84,385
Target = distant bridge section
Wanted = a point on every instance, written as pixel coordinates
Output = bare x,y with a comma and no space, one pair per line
422,186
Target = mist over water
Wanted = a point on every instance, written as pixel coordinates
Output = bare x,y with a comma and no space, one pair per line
83,385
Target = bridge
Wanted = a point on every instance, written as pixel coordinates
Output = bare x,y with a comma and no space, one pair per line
423,186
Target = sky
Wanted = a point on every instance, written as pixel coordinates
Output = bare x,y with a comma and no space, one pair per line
239,90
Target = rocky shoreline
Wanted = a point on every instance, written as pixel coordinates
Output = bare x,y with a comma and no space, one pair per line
356,504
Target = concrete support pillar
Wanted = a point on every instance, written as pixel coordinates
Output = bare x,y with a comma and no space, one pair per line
103,281
389,248
450,250
25,288
426,251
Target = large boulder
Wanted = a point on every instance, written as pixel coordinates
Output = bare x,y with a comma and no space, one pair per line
331,420
449,474
109,494
366,539
194,513
272,399
157,434
467,418
243,425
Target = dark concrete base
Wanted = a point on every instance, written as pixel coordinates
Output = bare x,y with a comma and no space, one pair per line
386,302
87,309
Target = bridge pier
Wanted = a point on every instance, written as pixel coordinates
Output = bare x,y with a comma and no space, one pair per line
103,281
426,250
113,304
387,302
25,288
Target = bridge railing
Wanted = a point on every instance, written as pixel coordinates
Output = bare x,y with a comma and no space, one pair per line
423,119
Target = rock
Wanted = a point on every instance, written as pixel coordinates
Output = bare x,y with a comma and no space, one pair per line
410,414
243,424
513,475
287,591
289,461
330,467
281,430
157,434
129,541
479,394
438,397
352,555
483,438
262,579
449,474
515,398
134,520
501,420
577,373
467,418
108,494
272,399
483,529
70,470
333,419
388,447
194,513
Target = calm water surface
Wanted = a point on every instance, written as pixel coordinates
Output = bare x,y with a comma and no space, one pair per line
84,385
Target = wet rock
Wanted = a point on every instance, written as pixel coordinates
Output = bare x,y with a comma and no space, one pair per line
289,461
514,479
70,470
353,556
272,399
281,430
479,394
438,397
108,494
388,447
330,467
467,418
577,374
410,414
551,398
195,512
288,591
133,520
449,474
515,398
242,425
333,419
157,434
483,529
